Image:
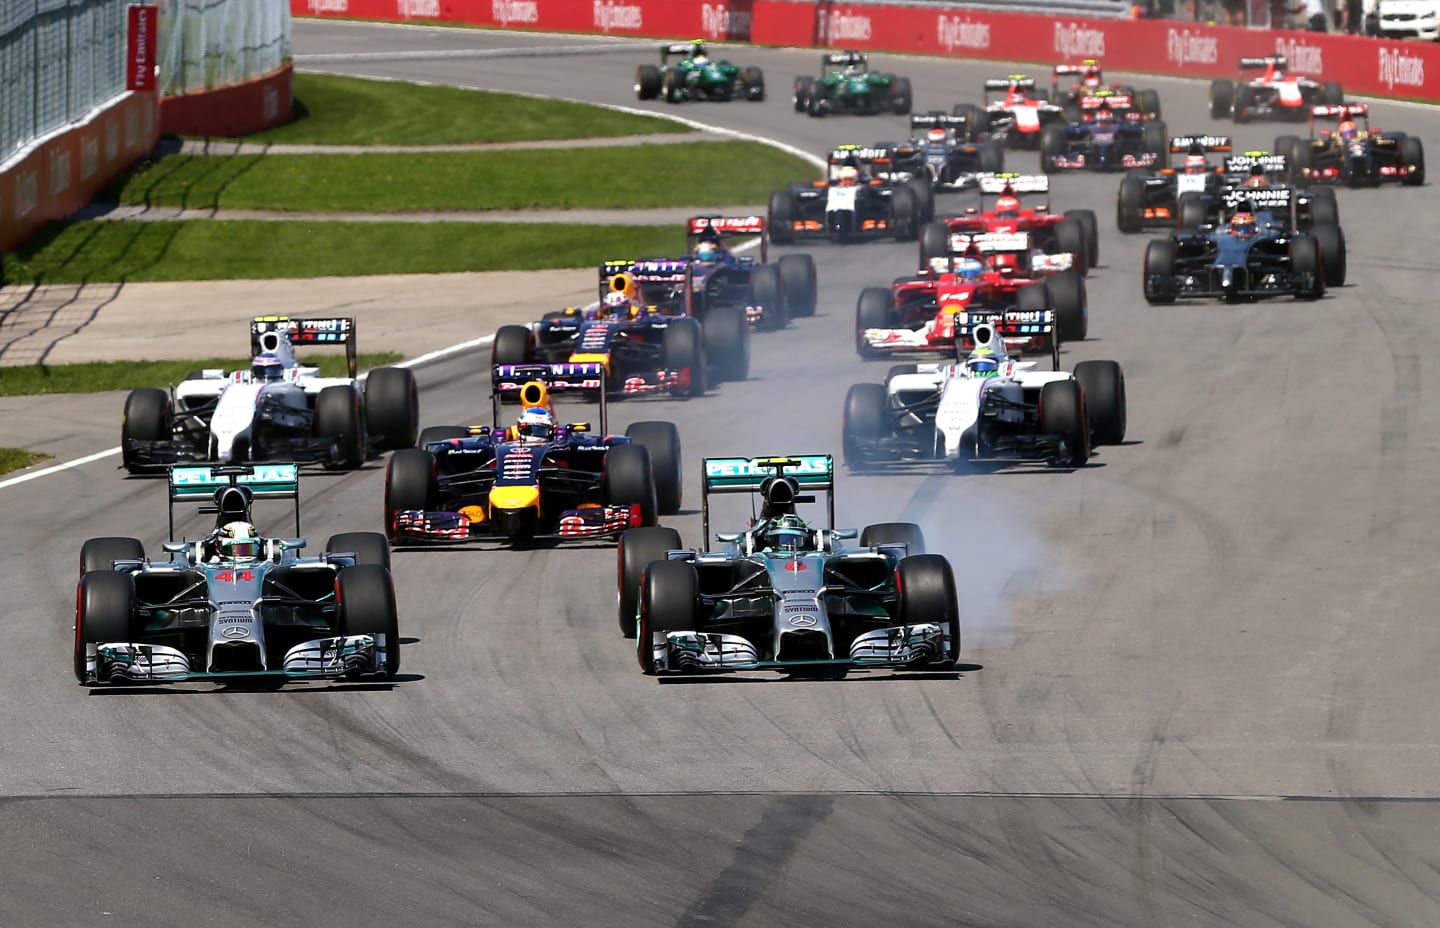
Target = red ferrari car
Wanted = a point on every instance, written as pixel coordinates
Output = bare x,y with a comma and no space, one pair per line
1074,234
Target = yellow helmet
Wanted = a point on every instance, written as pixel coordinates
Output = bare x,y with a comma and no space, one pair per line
239,541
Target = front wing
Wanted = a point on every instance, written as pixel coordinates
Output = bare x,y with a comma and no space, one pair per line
439,527
346,656
923,646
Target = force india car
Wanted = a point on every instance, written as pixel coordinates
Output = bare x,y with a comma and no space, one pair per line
847,85
286,412
235,610
1272,95
1215,262
1314,207
783,595
1092,79
939,154
696,77
1072,240
493,483
1011,411
840,210
1012,115
1110,136
1149,200
1370,158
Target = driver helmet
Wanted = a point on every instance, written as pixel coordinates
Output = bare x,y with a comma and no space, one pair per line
615,304
969,268
1104,115
707,250
786,533
936,134
847,175
238,541
1007,204
1257,177
1242,224
1092,77
982,363
1348,130
1196,164
854,70
700,60
535,422
267,368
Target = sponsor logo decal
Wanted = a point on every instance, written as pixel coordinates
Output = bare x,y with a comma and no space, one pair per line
840,26
610,15
329,6
952,32
235,631
1185,47
407,9
1301,58
718,21
1396,67
1073,40
505,12
795,566
802,621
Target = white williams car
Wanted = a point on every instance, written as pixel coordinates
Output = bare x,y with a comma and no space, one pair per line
278,409
989,406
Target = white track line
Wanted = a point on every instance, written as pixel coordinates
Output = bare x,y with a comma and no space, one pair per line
57,468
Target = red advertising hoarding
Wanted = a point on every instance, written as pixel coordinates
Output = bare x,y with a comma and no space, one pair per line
140,48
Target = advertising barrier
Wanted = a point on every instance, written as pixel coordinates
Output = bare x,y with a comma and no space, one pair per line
1157,46
239,109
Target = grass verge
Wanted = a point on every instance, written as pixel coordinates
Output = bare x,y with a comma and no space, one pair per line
16,458
336,110
97,252
99,376
626,177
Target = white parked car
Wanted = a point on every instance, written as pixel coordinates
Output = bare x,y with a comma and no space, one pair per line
1410,19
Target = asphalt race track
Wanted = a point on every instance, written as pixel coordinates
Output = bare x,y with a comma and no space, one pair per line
1200,687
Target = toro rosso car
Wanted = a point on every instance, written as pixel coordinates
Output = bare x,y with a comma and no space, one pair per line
1110,136
537,479
769,295
1353,152
277,409
1256,253
1013,113
1091,81
990,406
1070,240
784,594
847,85
1149,200
695,76
1272,95
234,606
852,203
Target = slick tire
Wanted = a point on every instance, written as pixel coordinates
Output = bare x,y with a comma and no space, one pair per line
1091,225
1305,257
1130,204
780,217
629,480
1072,312
392,407
367,607
102,553
338,417
368,547
1150,103
662,440
767,290
668,594
147,418
409,485
801,93
1331,239
637,548
1159,261
104,612
901,97
925,592
874,310
1412,152
727,342
753,80
647,82
1070,239
1222,98
684,349
797,272
934,242
1103,384
513,344
866,419
894,533
905,211
1062,412
1193,213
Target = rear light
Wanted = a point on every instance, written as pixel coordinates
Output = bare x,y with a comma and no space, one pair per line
636,518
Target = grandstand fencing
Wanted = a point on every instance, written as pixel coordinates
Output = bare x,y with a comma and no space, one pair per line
209,44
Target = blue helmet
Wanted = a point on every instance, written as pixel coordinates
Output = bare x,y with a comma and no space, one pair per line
969,268
267,368
982,363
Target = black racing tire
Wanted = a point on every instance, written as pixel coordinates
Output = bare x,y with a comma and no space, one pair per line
1062,412
754,81
892,533
669,591
436,433
1412,152
1091,225
1130,203
1103,384
767,290
409,484
628,479
802,288
727,342
368,547
780,217
1068,299
684,348
1159,259
992,159
874,310
866,419
636,549
513,344
662,440
102,553
1192,212
1244,100
1157,140
338,417
147,418
1332,253
366,593
925,592
1070,239
1222,98
1052,143
392,407
905,208
801,93
934,242
975,124
1333,94
647,82
1302,156
924,198
1305,258
901,98
104,612
1324,209
1285,146
672,85
1150,102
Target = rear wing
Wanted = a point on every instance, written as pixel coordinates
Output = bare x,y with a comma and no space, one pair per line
1210,144
1279,200
748,475
1020,183
1081,68
1106,98
696,47
1260,64
842,59
1010,323
1341,111
725,226
188,483
988,242
331,331
1242,163
1018,81
642,271
844,154
508,381
936,120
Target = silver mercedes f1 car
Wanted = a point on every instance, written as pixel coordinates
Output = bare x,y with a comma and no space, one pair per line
784,595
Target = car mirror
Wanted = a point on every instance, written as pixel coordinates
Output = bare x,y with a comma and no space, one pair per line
729,538
845,534
290,544
174,547
579,426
